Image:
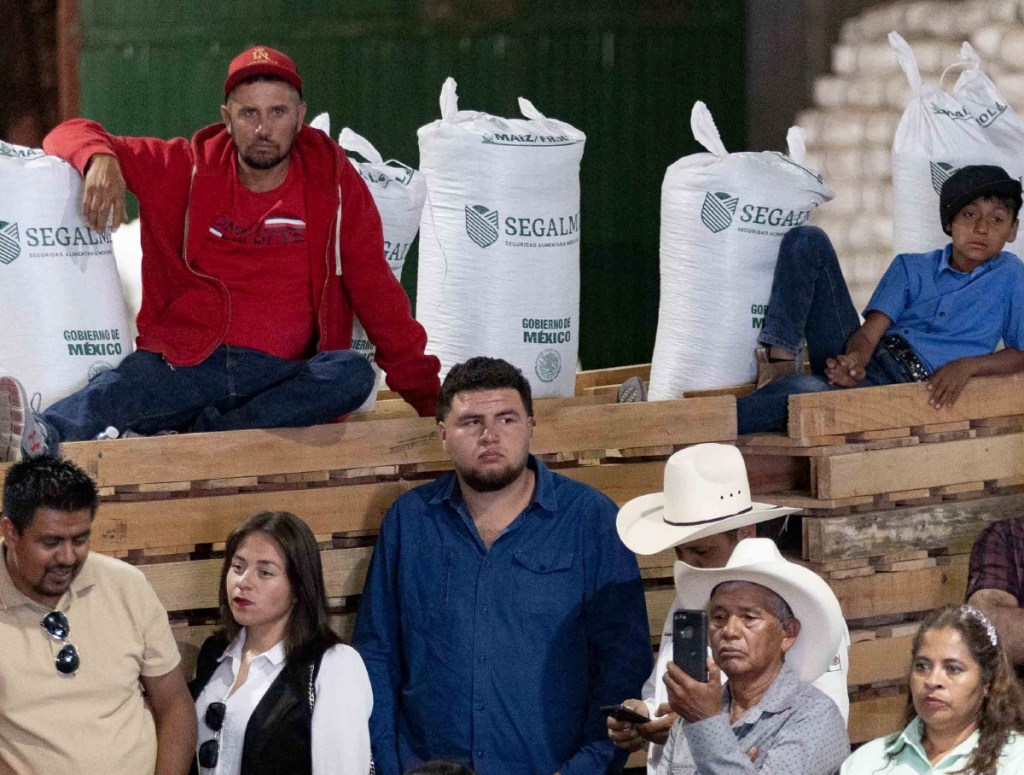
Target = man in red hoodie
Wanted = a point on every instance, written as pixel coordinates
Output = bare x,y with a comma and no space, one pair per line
259,243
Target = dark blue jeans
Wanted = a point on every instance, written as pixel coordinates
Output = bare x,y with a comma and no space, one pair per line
234,389
809,301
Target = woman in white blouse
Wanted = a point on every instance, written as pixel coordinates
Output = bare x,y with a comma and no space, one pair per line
277,691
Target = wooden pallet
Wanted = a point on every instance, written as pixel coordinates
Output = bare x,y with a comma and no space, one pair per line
892,503
862,410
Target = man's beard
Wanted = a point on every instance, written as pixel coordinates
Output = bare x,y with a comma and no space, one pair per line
262,162
492,481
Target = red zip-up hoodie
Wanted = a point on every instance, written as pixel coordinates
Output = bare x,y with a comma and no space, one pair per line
185,313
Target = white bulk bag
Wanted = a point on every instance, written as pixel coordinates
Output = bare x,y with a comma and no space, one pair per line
128,254
499,249
723,216
61,310
398,191
938,134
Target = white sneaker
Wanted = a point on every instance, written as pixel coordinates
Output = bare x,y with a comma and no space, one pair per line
20,435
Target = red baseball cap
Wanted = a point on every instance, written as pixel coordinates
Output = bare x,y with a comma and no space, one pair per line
261,60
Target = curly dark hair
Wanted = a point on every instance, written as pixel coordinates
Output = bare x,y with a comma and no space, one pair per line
482,373
308,625
49,483
1002,710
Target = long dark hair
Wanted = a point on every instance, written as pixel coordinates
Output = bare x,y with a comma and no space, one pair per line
308,625
1002,709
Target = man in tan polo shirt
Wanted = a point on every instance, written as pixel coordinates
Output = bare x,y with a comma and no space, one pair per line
81,636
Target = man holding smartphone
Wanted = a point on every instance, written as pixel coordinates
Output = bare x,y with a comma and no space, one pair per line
767,718
702,537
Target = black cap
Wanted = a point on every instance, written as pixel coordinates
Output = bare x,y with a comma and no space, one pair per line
968,183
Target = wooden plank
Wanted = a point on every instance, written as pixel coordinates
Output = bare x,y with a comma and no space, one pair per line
895,406
896,567
612,376
906,592
875,717
879,660
770,439
206,456
659,601
207,520
663,559
621,481
879,435
921,466
918,527
185,586
744,389
941,427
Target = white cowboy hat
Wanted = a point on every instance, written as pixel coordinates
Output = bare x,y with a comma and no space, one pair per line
812,601
706,492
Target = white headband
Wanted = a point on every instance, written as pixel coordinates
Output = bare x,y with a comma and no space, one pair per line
990,628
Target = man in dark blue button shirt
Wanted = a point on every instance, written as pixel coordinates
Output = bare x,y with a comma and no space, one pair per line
501,609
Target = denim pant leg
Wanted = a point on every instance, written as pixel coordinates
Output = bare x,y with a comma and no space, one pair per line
809,299
767,409
143,394
883,369
302,393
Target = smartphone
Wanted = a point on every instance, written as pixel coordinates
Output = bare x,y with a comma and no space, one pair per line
622,713
690,643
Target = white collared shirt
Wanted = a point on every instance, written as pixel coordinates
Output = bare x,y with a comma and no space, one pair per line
909,758
341,716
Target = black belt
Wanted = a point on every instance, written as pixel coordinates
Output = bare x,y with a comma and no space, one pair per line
904,355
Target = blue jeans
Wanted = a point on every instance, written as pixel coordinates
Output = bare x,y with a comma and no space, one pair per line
809,301
234,389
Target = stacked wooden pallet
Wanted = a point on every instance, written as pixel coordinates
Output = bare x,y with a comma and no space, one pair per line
894,493
168,503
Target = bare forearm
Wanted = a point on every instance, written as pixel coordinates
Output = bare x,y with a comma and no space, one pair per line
864,341
1006,361
175,739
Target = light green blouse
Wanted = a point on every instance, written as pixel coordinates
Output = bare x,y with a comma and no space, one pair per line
910,757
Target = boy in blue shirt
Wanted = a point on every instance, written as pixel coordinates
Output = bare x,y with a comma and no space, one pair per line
935,317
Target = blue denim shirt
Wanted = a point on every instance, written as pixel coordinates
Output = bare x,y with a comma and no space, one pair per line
501,658
945,314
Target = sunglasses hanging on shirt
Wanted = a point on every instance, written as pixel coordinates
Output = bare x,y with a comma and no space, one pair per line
209,752
57,627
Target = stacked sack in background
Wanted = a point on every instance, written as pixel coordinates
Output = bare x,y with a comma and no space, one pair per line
941,132
723,217
499,270
61,310
127,242
398,191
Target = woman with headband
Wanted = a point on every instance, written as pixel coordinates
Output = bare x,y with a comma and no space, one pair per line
965,710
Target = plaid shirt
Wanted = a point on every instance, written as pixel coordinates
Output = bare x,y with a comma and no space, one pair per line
997,560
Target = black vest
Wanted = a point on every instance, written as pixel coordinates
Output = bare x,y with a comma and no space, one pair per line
278,735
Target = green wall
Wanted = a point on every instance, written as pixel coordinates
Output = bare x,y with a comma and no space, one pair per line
626,73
